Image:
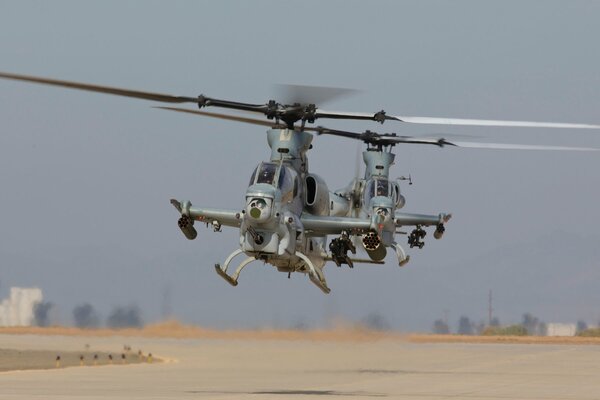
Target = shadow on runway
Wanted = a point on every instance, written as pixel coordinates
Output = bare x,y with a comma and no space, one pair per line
295,393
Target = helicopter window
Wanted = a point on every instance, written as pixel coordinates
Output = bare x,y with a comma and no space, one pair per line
382,188
378,187
266,173
288,183
287,179
396,192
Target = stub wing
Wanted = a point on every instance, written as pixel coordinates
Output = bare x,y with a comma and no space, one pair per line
213,216
322,225
210,215
407,219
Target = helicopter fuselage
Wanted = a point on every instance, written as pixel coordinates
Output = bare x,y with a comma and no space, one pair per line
280,191
289,212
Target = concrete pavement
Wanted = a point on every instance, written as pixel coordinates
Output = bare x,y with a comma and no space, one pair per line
237,369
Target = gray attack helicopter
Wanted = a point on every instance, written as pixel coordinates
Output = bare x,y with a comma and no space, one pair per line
289,212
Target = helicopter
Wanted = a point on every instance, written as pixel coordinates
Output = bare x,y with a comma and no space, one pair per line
377,195
367,208
289,211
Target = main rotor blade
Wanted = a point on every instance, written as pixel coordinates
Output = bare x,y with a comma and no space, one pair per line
287,113
377,139
321,130
486,122
382,116
391,139
379,116
166,98
509,146
441,142
221,116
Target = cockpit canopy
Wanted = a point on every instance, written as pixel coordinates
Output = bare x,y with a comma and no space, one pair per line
279,175
379,186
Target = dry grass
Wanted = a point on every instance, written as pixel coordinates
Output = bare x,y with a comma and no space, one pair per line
174,329
576,340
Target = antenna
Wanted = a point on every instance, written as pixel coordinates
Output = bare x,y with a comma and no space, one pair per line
409,179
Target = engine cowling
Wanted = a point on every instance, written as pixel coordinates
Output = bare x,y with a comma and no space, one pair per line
316,195
339,205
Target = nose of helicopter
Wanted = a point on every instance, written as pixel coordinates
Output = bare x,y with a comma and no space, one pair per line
259,202
256,207
384,218
383,213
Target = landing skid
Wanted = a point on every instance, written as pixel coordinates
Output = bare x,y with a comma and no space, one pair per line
223,274
360,261
315,274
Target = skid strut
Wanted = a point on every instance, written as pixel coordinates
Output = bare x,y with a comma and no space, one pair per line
222,271
401,254
315,274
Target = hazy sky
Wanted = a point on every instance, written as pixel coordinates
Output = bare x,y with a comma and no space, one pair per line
86,178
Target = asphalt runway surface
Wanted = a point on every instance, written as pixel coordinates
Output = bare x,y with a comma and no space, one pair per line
280,369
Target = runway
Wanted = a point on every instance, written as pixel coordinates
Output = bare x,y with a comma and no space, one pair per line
279,369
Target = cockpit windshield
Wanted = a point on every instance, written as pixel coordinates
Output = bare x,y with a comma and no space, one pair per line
378,187
264,173
382,187
287,179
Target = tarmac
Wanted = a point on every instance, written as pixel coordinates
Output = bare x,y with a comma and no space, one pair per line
294,369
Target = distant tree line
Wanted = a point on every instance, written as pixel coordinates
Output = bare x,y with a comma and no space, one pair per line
85,316
43,314
375,321
530,325
125,317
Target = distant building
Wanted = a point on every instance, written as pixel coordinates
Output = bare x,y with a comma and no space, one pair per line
561,329
17,310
